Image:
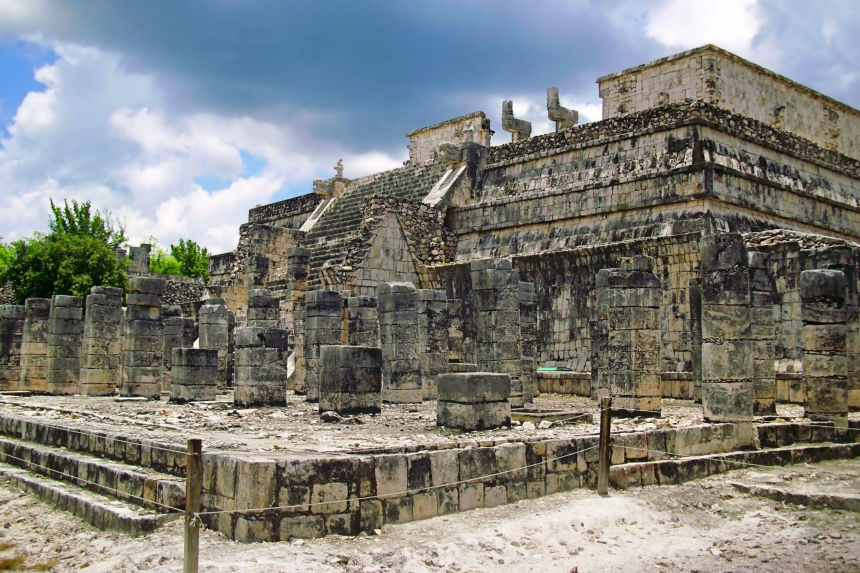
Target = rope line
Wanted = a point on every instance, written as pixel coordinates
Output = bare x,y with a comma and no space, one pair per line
119,494
392,494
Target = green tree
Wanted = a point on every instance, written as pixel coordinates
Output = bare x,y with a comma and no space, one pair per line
6,255
77,254
162,263
193,260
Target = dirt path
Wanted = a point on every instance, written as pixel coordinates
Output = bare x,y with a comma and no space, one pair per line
701,526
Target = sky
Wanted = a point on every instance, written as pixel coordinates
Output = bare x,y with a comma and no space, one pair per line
178,117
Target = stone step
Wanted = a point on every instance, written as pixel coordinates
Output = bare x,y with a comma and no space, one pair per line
680,470
125,482
98,510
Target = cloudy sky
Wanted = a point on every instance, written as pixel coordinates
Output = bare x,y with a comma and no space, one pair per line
180,116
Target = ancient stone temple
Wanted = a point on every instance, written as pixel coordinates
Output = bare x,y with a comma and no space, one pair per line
694,145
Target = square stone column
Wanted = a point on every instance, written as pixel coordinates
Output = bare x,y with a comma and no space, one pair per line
323,326
634,342
102,349
825,358
695,296
762,301
193,374
496,292
528,344
11,338
65,336
350,379
432,308
362,321
263,309
214,326
727,346
142,339
456,352
179,332
34,345
298,268
261,372
399,339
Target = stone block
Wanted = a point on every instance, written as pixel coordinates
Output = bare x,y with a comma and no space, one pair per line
473,387
477,416
727,401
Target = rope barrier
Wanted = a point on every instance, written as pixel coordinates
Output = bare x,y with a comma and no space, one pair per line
119,494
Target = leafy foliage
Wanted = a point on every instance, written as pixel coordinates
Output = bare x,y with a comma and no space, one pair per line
6,256
162,263
77,254
193,261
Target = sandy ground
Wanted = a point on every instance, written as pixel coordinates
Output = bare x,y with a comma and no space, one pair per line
297,428
705,525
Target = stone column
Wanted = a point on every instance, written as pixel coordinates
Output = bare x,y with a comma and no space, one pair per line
727,363
350,379
193,374
455,331
398,336
298,261
214,326
695,294
65,336
432,308
323,325
179,332
102,348
263,309
362,321
261,372
598,326
762,300
142,339
634,340
496,292
34,345
528,345
11,338
825,360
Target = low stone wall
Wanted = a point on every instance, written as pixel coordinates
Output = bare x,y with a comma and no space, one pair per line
560,382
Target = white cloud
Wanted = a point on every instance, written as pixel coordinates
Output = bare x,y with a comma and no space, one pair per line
98,132
730,24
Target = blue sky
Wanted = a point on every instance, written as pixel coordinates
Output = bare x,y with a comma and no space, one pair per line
180,116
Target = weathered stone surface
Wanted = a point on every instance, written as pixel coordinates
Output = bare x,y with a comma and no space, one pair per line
350,379
474,387
11,337
193,375
323,325
65,336
102,345
142,341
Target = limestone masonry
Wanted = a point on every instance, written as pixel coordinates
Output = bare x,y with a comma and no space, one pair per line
701,242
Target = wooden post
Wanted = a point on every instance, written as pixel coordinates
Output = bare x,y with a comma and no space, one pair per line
605,448
193,485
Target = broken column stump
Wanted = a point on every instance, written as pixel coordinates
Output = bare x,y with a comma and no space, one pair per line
496,296
398,336
102,348
350,379
727,349
261,370
11,338
473,400
323,326
34,345
193,374
263,309
632,364
825,360
432,308
65,336
142,339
